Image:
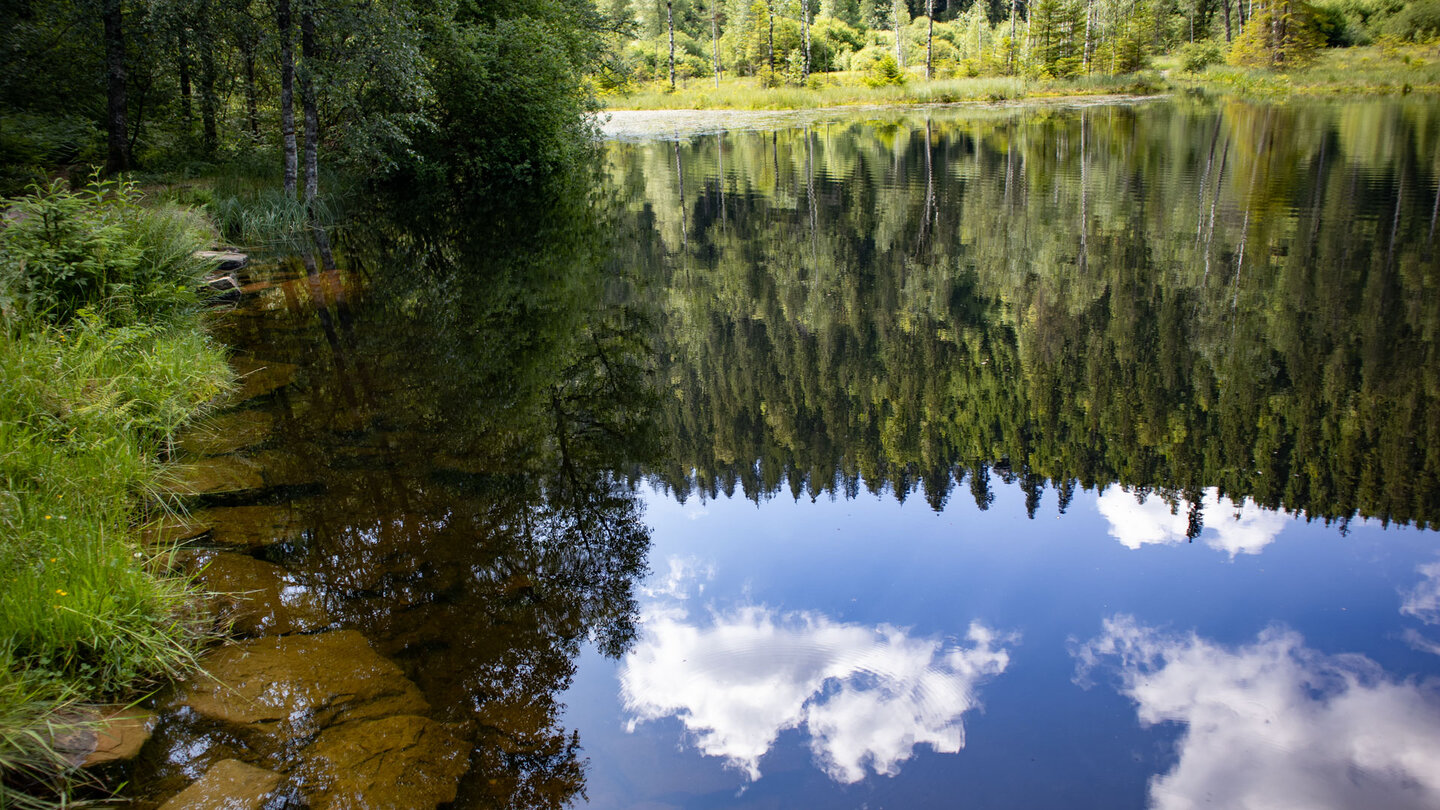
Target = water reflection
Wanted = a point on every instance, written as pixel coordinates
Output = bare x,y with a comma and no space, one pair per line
1180,297
1275,723
1139,518
865,696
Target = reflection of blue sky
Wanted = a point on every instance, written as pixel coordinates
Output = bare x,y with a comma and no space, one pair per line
1275,724
855,568
865,695
1137,520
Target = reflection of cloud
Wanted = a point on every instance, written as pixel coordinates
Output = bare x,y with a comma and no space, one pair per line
683,572
1275,724
866,695
1237,529
1423,601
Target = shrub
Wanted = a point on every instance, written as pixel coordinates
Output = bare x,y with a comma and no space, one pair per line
884,71
1196,56
63,252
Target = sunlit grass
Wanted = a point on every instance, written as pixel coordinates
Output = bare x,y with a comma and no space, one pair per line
848,89
1371,69
89,405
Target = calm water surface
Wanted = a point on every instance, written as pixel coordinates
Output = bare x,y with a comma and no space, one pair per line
1032,457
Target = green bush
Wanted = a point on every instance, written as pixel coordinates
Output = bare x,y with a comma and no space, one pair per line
1196,56
884,71
63,252
1419,21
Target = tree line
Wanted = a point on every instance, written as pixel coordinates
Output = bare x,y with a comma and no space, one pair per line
1170,298
788,41
437,90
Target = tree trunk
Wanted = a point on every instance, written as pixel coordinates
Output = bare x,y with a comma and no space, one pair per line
308,61
252,107
209,103
118,158
1014,10
805,34
183,51
715,41
287,94
929,37
899,46
670,21
770,13
1226,4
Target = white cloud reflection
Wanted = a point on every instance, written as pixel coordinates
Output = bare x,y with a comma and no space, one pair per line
1229,527
866,695
1423,600
1275,724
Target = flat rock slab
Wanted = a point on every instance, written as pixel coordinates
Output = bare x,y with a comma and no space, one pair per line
259,598
260,377
250,528
274,691
397,762
227,433
227,261
229,475
229,785
108,734
171,529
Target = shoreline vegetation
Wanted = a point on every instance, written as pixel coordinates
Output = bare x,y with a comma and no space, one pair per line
269,114
103,358
1392,69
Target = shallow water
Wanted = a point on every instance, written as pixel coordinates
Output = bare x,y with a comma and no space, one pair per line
1047,456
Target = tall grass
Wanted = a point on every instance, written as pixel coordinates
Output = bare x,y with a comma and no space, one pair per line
849,89
89,403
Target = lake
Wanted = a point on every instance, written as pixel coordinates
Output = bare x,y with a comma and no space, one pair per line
1080,455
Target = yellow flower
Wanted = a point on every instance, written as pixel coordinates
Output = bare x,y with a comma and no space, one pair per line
62,593
47,517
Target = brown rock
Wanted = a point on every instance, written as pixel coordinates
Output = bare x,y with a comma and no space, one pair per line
229,785
260,377
105,734
121,733
172,529
260,599
395,762
229,475
273,690
251,527
227,261
227,433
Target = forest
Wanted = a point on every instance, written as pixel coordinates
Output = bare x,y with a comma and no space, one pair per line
1071,300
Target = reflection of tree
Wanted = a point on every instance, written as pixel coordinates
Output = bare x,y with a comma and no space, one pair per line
1170,297
479,519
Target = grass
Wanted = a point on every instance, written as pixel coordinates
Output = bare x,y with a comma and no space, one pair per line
1363,70
88,407
1374,69
849,89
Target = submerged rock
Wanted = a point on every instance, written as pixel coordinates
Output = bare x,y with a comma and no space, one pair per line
107,734
251,527
228,475
171,529
278,692
227,433
228,785
260,377
394,762
259,598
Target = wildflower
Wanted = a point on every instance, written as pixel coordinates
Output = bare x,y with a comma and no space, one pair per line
61,592
47,517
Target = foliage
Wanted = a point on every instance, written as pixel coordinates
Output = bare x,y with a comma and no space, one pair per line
97,249
884,71
1196,56
1418,21
1281,34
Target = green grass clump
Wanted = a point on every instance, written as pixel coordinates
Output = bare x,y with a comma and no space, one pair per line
95,380
852,89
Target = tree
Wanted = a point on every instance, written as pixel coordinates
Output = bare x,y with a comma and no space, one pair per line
1280,34
118,157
